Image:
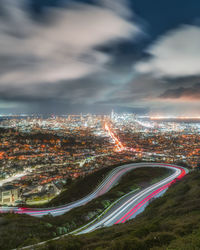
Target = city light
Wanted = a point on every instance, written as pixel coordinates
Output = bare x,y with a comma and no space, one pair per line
117,141
50,150
175,117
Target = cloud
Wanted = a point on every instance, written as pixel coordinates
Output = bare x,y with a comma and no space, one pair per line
189,93
62,48
138,92
175,54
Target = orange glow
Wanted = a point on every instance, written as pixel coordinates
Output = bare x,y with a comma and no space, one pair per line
119,145
2,155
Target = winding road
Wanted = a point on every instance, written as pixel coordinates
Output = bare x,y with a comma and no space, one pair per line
126,208
131,205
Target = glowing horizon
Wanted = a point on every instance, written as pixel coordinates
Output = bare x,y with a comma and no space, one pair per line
175,117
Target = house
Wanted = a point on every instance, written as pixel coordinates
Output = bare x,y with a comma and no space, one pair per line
9,195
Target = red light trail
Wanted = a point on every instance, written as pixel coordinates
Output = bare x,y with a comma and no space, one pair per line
129,214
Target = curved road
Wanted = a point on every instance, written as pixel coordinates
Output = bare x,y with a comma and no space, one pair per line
126,208
131,205
111,179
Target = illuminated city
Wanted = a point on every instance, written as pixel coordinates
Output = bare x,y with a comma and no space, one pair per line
39,155
99,125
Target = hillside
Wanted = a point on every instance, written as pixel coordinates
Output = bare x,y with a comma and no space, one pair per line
21,230
170,222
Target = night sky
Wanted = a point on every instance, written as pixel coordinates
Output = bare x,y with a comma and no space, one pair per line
61,56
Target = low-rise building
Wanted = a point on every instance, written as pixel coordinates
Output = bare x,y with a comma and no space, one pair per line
9,195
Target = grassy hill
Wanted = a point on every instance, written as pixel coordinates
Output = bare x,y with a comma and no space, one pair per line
80,187
21,230
170,222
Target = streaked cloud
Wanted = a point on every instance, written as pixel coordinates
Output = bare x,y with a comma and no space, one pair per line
62,48
175,54
185,93
79,56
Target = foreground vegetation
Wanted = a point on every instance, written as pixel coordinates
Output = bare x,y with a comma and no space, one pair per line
80,187
22,230
170,222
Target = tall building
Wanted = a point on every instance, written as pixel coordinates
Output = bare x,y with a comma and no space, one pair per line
112,115
9,195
